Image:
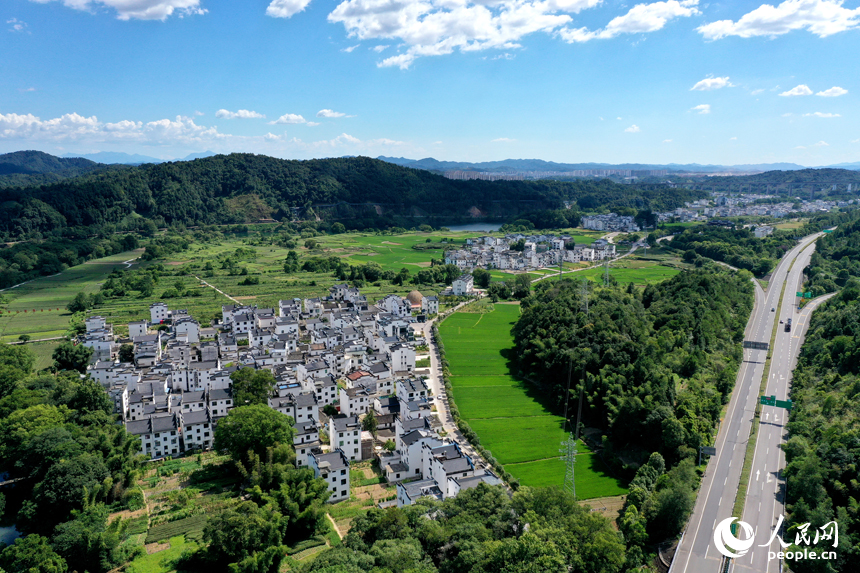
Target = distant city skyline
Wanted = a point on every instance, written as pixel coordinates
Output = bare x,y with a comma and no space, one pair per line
572,81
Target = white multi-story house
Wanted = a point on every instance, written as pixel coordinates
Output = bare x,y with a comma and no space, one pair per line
430,305
160,435
345,434
198,432
158,312
334,469
463,285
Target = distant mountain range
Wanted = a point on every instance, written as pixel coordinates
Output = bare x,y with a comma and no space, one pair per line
539,165
114,157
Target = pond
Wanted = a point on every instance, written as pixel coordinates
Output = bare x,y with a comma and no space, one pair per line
473,227
9,534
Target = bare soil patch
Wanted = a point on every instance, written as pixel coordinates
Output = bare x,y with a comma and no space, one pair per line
390,243
155,547
245,297
610,507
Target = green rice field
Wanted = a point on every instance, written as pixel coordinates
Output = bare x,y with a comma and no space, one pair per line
510,422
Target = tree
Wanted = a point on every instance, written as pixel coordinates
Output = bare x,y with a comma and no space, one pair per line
24,338
80,303
252,386
32,554
237,533
330,410
68,356
499,291
252,428
311,244
338,228
88,542
369,423
522,286
291,264
126,353
482,278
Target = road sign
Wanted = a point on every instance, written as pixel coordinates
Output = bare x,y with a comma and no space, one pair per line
828,230
803,294
768,400
783,404
709,451
756,345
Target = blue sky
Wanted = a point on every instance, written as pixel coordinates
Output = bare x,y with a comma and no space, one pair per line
474,80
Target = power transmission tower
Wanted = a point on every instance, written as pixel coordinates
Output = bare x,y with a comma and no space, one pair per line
568,450
606,273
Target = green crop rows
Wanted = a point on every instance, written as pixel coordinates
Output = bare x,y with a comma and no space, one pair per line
508,418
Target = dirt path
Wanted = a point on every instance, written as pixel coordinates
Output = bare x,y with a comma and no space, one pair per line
217,289
333,524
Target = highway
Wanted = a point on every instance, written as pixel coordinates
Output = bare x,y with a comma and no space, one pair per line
765,499
695,553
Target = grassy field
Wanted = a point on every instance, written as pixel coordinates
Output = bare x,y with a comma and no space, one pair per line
161,562
510,422
38,307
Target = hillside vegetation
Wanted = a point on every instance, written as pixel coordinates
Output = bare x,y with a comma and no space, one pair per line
29,168
359,191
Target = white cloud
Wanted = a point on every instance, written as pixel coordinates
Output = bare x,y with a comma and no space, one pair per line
821,17
801,90
198,113
331,113
632,129
712,83
756,92
272,137
379,49
667,141
17,25
821,144
733,139
241,114
789,114
503,140
702,109
438,27
288,118
138,9
855,141
286,8
349,49
800,147
821,114
30,89
640,19
312,123
75,127
618,118
835,91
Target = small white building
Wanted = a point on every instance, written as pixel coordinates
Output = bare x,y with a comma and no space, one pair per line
137,328
345,435
158,312
430,305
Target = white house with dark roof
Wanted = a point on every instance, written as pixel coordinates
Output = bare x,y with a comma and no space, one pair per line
334,469
198,431
345,434
463,285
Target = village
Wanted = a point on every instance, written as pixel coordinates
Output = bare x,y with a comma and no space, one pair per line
519,252
336,360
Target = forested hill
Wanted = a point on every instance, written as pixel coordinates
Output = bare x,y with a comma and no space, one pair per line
244,187
28,168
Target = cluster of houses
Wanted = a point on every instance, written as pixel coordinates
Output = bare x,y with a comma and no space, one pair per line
337,350
610,222
538,251
745,205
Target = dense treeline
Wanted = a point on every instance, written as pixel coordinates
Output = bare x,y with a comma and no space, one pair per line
659,364
819,180
837,256
30,168
74,464
737,247
243,187
24,261
823,449
482,530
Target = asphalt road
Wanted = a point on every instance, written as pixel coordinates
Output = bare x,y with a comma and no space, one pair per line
765,499
714,503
